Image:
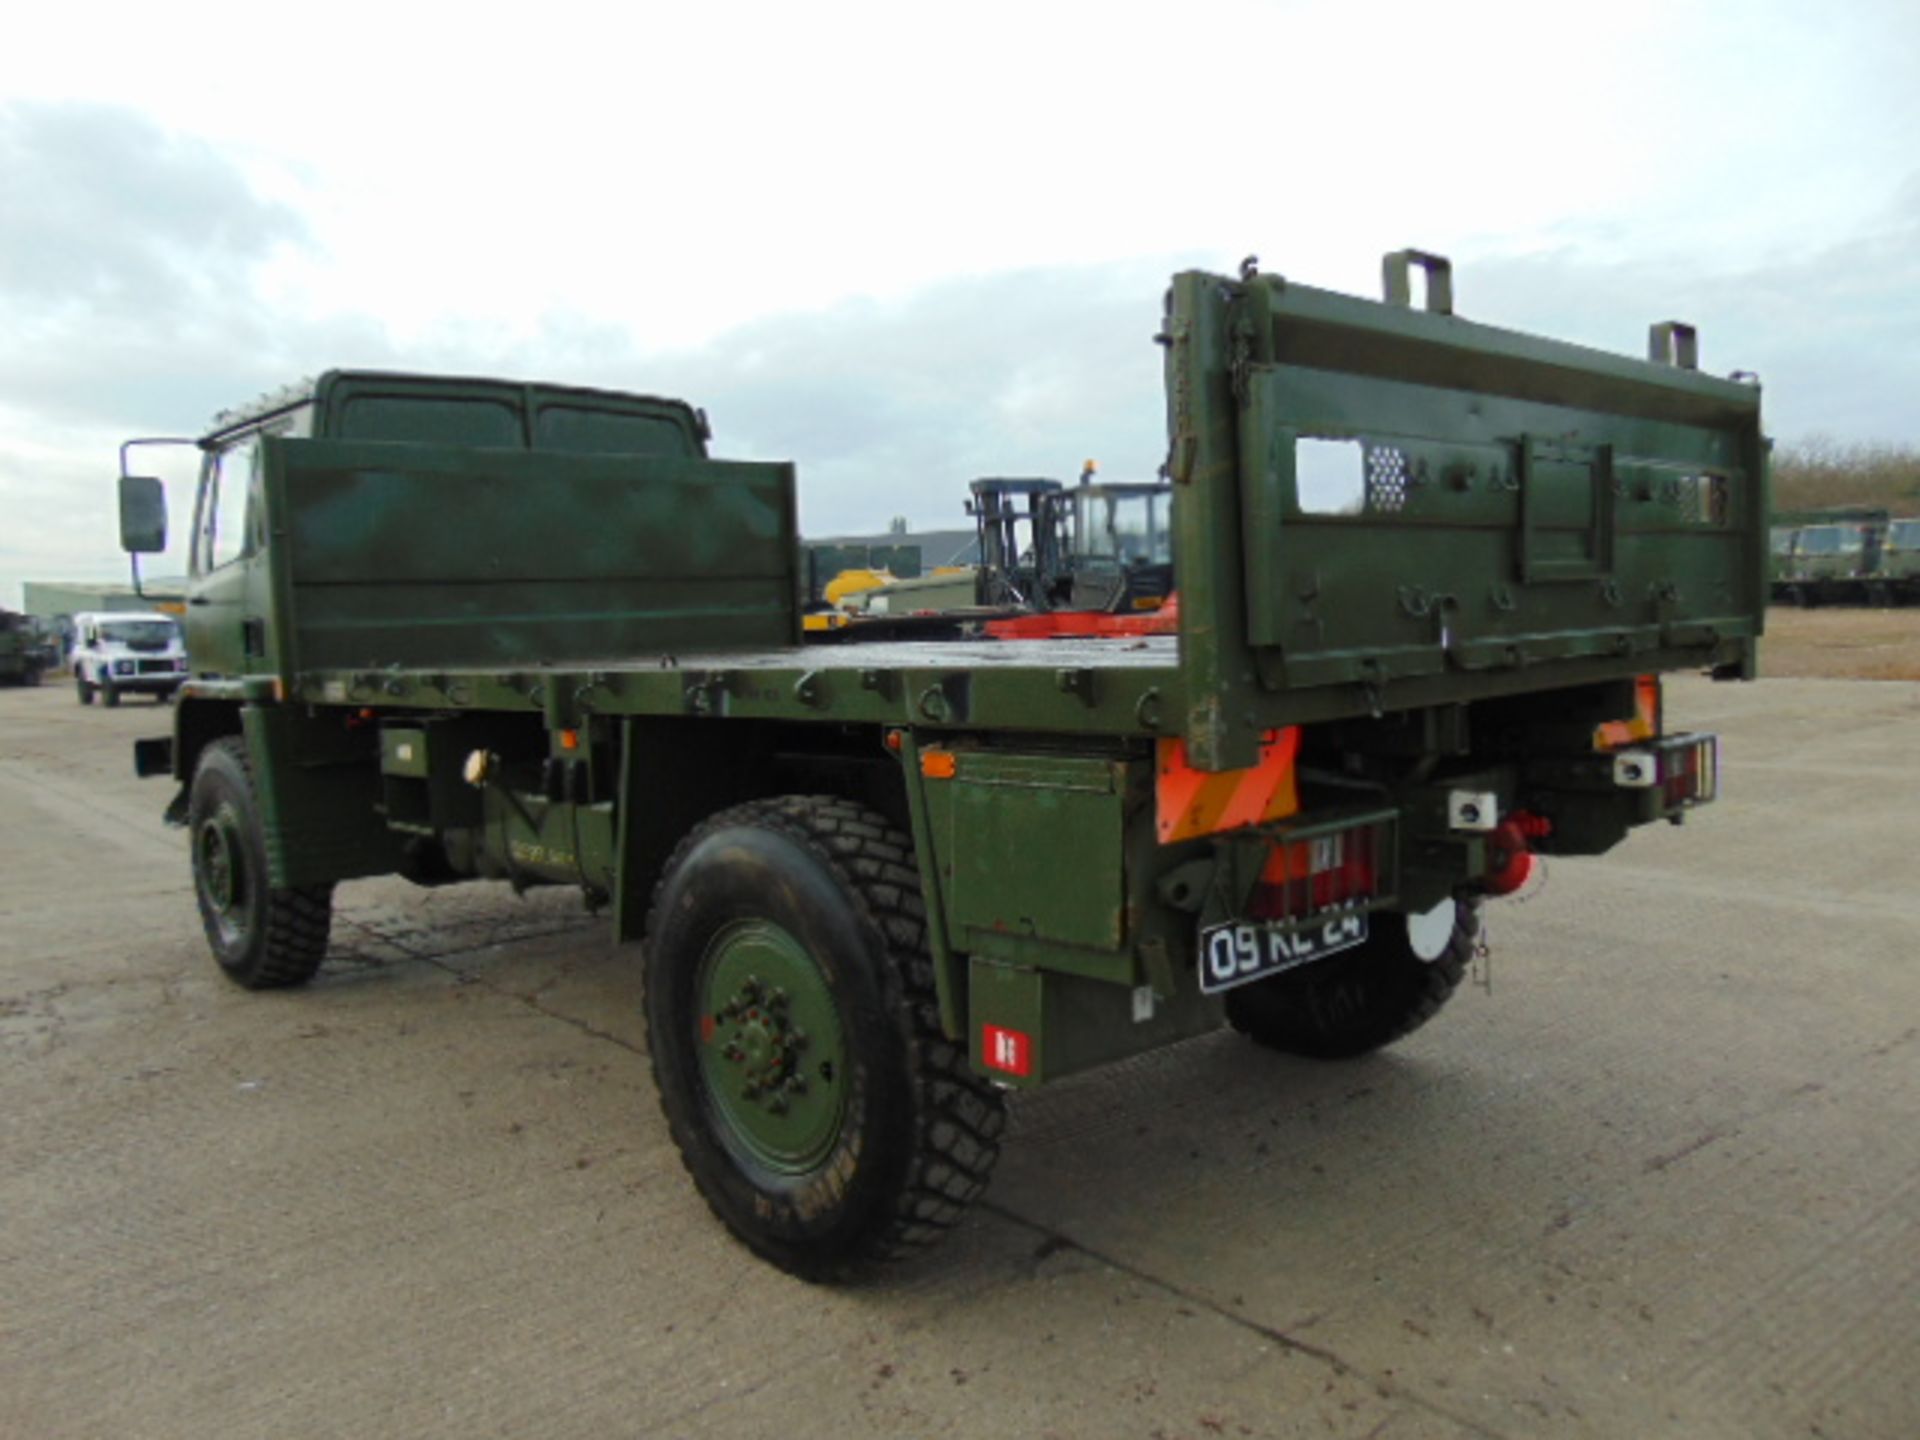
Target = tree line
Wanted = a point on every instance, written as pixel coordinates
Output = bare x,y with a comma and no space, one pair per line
1821,472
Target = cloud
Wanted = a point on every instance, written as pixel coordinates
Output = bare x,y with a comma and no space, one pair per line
142,286
1829,329
108,212
130,260
129,266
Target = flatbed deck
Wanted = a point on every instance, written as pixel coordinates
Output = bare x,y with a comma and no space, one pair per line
1106,685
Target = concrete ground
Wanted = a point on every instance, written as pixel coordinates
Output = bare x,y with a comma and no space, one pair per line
1656,1173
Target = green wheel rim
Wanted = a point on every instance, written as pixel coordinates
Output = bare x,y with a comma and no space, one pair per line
772,1055
223,871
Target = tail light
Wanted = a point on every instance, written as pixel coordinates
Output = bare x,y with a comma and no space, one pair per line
1689,771
1329,872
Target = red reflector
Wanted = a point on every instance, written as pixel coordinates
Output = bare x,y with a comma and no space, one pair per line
1008,1050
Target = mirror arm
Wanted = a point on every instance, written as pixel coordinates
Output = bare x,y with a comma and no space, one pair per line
127,445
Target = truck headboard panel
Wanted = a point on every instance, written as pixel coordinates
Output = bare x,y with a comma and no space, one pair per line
419,555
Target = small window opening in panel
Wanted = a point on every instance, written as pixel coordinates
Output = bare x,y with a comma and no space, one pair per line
1329,476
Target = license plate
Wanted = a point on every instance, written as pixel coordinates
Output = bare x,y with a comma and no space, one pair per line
1237,954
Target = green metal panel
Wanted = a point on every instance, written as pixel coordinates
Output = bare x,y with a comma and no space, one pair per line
1035,842
1512,503
429,556
1069,1023
403,751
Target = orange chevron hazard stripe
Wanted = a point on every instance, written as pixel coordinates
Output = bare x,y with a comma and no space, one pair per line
1189,803
1644,725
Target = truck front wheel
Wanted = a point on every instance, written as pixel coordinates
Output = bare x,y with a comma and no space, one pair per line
1361,999
264,938
796,1042
82,688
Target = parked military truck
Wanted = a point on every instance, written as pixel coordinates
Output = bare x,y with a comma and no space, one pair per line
1830,557
22,660
878,885
1900,560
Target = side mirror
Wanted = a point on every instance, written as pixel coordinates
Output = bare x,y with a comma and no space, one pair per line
143,515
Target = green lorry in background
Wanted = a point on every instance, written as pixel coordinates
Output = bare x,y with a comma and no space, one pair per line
1429,573
1833,556
23,654
1900,560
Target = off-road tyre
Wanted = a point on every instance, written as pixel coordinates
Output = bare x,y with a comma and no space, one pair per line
264,938
82,688
916,1132
1359,1000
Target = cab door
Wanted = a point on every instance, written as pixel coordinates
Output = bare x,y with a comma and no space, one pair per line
223,638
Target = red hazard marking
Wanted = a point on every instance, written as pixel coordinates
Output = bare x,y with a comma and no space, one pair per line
706,1029
1008,1050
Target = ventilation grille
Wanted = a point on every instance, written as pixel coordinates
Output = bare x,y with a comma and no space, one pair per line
1387,479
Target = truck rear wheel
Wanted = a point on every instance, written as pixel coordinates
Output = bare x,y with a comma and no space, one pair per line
796,1041
82,688
264,938
1361,999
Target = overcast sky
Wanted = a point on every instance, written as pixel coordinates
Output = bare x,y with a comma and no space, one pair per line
907,245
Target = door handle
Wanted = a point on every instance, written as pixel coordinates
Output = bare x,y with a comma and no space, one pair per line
198,600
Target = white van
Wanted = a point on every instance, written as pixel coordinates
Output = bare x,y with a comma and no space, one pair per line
126,653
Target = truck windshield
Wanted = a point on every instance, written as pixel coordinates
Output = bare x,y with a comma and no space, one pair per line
1829,539
138,634
1905,535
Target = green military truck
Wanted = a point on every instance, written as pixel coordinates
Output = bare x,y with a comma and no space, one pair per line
1832,556
450,629
1900,560
22,650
